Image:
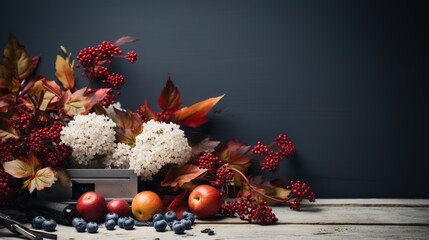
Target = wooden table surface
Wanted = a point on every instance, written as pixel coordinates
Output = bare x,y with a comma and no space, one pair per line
325,219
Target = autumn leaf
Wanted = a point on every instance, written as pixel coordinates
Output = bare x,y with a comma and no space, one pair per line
238,156
64,73
195,115
123,40
37,90
129,125
7,81
79,103
7,100
265,191
206,145
6,129
148,112
169,100
18,168
34,177
17,60
43,178
236,153
177,176
179,204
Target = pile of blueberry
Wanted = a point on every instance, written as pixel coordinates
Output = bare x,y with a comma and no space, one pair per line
112,219
40,222
161,221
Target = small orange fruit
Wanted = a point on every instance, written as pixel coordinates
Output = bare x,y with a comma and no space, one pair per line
145,204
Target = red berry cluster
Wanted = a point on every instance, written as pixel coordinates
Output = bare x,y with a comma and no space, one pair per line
9,149
93,59
131,56
115,80
284,148
300,191
21,122
8,185
45,143
250,209
208,161
223,175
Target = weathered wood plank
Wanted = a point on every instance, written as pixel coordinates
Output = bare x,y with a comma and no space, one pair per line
326,219
245,231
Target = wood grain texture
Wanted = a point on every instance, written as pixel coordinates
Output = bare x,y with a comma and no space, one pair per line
326,219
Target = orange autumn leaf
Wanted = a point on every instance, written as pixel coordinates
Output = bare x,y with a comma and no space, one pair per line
177,176
266,191
195,115
18,168
64,73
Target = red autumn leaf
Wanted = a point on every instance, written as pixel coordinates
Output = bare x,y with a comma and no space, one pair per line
236,153
177,176
206,145
80,103
6,129
148,112
195,115
267,192
7,100
179,204
129,125
64,73
169,100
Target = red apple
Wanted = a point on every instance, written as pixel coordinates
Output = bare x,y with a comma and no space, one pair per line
205,201
91,206
118,206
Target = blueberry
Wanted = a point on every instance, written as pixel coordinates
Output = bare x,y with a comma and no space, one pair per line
157,217
179,228
112,216
49,225
187,223
121,221
92,227
188,215
37,222
160,225
129,223
185,214
110,224
76,220
80,226
211,232
170,216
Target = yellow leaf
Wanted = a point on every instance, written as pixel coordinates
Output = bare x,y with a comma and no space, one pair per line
64,73
18,168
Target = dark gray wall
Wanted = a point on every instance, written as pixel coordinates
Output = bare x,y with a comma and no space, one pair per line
346,80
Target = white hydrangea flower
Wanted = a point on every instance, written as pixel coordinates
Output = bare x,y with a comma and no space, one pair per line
159,144
89,136
120,158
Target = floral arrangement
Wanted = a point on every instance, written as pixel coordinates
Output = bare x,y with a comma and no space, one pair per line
47,126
